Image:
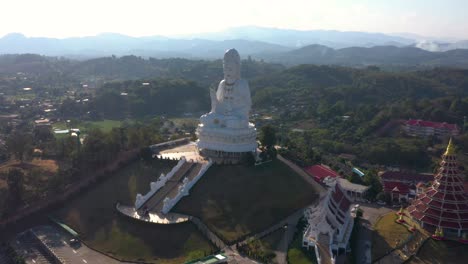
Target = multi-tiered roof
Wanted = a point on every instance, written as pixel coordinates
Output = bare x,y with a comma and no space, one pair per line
445,203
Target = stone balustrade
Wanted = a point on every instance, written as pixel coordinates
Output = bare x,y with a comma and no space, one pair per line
155,186
184,189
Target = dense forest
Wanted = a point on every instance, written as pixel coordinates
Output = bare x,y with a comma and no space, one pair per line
351,109
348,108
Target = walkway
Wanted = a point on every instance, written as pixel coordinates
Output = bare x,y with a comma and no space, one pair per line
318,188
152,217
288,236
324,252
155,202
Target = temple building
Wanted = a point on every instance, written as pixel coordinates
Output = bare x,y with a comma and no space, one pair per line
421,128
444,205
225,133
402,186
330,225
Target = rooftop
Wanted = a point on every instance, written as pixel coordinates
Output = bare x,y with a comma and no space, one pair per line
320,172
422,123
398,187
406,176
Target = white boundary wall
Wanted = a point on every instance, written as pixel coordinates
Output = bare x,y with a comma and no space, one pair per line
155,186
184,189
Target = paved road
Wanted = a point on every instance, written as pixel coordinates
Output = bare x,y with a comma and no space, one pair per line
57,241
371,214
282,250
364,242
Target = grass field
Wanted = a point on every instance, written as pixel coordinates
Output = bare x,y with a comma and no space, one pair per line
442,252
104,125
297,254
387,234
187,121
92,214
237,200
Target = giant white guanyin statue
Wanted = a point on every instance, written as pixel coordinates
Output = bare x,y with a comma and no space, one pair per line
226,127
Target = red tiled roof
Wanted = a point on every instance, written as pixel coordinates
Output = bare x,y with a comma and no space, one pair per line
406,176
320,172
398,187
416,122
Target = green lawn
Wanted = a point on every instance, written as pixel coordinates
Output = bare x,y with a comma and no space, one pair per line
92,214
387,234
188,121
298,255
104,125
442,252
237,200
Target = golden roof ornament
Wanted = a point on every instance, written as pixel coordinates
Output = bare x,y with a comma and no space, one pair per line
450,148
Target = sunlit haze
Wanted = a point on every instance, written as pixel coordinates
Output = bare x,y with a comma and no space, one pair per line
58,18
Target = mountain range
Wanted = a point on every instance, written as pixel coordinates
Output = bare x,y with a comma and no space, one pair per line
279,45
408,56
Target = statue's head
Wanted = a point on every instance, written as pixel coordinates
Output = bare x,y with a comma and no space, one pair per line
231,65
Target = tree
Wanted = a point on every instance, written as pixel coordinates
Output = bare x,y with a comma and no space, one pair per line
371,179
381,197
146,154
19,144
15,179
268,136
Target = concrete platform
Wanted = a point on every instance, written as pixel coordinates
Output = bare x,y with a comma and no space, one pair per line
153,217
189,151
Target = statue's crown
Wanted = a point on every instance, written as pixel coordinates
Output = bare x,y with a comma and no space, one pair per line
232,56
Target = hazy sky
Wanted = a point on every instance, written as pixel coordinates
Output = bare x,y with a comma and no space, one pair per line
65,18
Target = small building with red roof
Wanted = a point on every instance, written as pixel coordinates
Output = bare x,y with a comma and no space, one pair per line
403,185
320,172
421,128
397,190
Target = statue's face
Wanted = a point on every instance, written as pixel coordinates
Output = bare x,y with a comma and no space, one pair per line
231,72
